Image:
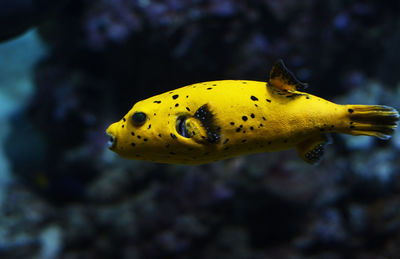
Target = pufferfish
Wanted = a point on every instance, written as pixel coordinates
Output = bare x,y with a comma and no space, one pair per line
211,121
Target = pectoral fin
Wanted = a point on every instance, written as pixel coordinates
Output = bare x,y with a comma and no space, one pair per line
282,79
312,150
196,131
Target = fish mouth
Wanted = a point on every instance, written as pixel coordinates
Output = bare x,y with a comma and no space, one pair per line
112,141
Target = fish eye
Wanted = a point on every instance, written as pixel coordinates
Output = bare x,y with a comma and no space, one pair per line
139,118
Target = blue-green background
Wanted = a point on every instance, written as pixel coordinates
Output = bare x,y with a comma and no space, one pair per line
71,70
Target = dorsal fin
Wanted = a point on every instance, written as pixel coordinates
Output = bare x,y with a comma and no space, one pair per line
282,79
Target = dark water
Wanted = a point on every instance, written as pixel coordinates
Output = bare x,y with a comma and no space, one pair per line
64,195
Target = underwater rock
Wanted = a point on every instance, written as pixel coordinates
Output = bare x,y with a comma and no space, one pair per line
18,16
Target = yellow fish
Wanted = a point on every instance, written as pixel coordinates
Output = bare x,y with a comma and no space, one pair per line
211,121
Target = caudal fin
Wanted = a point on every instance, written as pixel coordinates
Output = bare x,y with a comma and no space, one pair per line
372,120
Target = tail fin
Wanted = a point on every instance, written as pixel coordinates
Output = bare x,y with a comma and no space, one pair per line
372,120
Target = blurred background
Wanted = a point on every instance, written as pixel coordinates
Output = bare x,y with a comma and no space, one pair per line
70,68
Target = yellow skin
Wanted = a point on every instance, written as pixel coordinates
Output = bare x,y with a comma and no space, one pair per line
211,121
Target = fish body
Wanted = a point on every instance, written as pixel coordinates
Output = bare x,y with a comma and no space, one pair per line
211,121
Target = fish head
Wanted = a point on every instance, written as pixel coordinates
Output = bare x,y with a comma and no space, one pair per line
155,130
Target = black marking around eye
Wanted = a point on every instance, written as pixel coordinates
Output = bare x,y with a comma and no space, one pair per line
254,98
175,96
157,101
207,119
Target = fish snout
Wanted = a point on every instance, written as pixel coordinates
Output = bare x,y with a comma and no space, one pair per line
112,140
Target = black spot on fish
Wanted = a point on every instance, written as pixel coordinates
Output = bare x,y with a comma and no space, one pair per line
244,140
133,144
177,104
123,126
232,123
124,119
255,105
350,110
214,84
252,115
238,129
160,135
149,127
261,125
145,139
244,83
187,108
173,136
244,118
187,96
268,100
254,98
332,126
251,128
157,101
139,137
175,96
154,114
209,88
133,133
207,119
307,97
226,141
264,118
